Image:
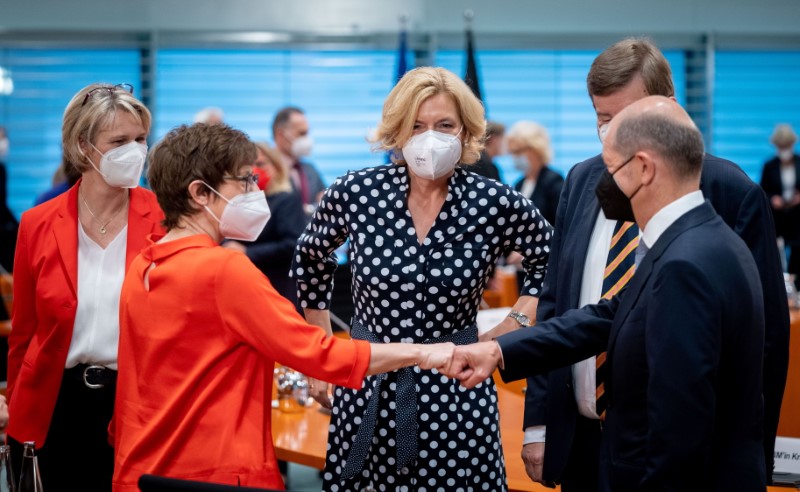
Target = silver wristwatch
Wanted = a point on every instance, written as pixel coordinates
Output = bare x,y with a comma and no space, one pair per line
520,318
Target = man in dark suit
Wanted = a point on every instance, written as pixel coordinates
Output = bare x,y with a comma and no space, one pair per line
780,179
290,132
684,340
493,147
561,404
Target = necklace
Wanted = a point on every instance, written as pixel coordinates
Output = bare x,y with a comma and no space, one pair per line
103,226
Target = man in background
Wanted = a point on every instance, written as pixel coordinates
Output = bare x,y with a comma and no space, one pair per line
291,134
591,257
493,147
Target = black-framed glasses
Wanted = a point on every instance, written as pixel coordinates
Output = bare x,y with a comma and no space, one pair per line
108,88
248,179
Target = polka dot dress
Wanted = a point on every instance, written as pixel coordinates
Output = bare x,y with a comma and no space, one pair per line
405,291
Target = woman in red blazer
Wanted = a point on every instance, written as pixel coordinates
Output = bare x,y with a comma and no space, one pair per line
72,254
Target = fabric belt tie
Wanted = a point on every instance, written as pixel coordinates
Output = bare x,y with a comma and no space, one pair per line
405,405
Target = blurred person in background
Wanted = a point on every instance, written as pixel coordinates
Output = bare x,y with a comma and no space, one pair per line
492,147
72,254
211,115
201,328
63,179
425,234
290,132
529,144
780,179
8,222
272,251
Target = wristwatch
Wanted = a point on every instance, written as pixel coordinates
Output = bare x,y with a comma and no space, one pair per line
520,318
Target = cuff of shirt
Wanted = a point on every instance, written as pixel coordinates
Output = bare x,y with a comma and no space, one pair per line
501,364
534,434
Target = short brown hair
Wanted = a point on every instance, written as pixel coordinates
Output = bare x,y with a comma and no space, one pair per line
402,105
620,63
198,152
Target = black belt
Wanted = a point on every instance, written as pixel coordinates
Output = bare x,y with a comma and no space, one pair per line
94,377
405,407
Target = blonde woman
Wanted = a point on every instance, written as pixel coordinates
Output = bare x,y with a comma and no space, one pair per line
529,144
424,237
72,255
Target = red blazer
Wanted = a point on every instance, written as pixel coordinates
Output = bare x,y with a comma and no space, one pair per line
45,300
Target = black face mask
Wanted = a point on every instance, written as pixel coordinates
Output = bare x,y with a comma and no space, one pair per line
615,204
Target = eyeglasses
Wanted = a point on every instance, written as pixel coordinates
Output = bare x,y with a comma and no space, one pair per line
248,179
108,88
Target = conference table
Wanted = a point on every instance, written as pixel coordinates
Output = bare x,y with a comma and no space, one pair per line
302,437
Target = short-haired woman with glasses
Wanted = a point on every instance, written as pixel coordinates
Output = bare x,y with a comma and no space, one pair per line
201,328
71,257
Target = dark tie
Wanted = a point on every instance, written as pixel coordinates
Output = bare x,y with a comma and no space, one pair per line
619,269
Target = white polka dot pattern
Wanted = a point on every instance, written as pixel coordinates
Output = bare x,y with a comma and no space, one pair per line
404,291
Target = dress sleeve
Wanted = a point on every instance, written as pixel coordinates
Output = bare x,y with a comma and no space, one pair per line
528,233
258,316
314,259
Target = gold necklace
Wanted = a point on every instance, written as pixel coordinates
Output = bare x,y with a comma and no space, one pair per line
103,229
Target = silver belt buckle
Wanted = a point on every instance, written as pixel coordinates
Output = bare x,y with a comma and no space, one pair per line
87,383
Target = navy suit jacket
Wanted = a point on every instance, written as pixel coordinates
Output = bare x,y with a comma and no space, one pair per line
685,345
550,399
546,193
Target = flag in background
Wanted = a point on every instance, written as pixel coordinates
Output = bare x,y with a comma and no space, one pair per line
402,63
471,76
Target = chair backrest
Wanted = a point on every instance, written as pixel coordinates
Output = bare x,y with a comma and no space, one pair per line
153,483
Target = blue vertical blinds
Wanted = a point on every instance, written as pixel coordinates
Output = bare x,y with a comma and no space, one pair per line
753,91
549,87
342,93
44,82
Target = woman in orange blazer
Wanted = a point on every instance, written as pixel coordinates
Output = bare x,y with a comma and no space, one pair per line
71,257
201,327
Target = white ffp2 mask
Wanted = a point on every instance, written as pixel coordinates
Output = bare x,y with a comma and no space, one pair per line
432,154
244,217
122,166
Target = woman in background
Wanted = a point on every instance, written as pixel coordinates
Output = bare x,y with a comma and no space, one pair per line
529,144
425,234
71,257
272,251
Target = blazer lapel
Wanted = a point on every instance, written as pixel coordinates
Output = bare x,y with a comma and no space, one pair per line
140,224
635,287
586,211
65,230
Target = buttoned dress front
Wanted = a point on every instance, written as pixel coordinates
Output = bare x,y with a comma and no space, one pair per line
412,292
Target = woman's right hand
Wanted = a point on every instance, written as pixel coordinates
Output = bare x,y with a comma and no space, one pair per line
319,391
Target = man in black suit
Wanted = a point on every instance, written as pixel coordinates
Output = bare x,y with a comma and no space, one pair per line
561,404
684,340
291,134
780,179
493,147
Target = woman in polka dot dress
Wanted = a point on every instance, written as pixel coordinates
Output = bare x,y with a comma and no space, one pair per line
425,234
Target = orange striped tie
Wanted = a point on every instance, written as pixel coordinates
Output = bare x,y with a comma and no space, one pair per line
619,269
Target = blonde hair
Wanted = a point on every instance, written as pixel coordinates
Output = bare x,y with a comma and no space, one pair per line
531,135
402,106
279,180
85,116
783,136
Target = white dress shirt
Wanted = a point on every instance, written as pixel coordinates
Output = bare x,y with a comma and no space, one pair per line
95,335
528,185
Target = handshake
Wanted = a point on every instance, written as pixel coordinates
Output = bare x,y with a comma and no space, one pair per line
470,364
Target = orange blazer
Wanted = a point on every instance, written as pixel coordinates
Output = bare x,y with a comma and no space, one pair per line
197,350
45,300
